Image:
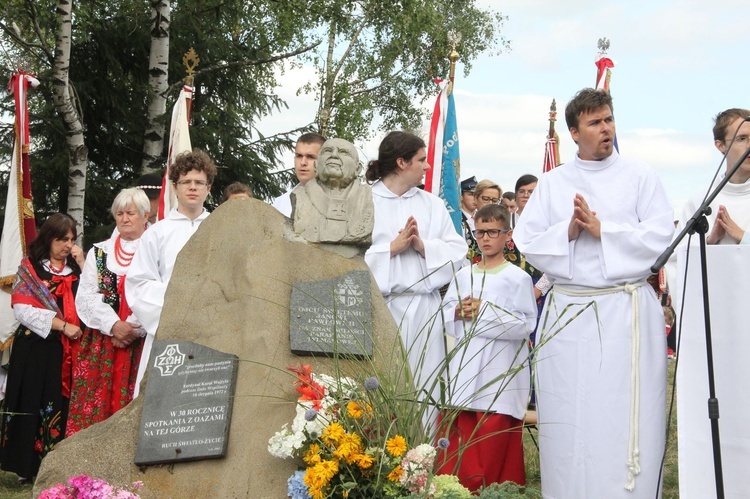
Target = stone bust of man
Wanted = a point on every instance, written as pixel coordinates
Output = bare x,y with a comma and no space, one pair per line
334,207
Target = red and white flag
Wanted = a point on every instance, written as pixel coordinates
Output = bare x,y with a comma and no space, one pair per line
551,154
19,227
435,142
179,142
603,73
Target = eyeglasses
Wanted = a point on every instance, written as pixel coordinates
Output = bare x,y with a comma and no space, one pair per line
493,233
488,199
524,192
198,183
742,139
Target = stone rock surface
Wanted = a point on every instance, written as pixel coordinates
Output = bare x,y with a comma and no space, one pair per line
230,291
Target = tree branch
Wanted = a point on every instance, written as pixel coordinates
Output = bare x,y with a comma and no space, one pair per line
35,20
245,62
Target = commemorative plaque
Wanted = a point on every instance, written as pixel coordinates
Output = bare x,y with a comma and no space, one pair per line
332,316
188,403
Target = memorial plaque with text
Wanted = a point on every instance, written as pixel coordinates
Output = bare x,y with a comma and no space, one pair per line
188,403
332,316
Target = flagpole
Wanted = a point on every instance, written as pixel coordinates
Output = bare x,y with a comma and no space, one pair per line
455,39
190,60
553,132
179,133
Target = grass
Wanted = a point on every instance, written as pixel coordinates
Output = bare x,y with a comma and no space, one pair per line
11,489
671,480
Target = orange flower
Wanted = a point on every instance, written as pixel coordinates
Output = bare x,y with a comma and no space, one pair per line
396,446
364,461
395,475
357,411
333,433
312,456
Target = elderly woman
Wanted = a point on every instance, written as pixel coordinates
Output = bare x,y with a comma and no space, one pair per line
415,250
105,372
44,347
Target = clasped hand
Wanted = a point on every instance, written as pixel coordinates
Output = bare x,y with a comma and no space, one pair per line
124,333
468,308
408,236
724,225
583,219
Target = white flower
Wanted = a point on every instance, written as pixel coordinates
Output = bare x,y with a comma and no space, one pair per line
284,442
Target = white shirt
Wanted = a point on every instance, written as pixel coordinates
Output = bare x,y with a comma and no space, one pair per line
283,203
150,272
92,310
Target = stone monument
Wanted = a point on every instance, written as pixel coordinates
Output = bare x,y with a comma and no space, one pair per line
334,207
230,291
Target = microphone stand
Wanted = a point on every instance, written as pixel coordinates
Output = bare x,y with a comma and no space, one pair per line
698,223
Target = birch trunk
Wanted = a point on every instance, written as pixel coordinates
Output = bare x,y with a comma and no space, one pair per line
65,105
158,67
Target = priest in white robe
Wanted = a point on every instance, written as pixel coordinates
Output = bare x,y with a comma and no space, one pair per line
729,221
415,251
595,226
153,262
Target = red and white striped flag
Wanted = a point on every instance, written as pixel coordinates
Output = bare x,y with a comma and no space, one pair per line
19,227
179,142
551,149
435,142
603,73
551,154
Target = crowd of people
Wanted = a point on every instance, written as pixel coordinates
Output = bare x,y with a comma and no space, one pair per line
580,240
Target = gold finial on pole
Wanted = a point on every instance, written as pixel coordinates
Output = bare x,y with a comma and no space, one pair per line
190,60
454,38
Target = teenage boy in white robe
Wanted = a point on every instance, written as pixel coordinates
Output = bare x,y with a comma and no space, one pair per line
490,309
306,152
595,226
192,175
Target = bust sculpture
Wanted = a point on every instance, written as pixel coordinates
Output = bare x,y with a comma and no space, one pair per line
334,207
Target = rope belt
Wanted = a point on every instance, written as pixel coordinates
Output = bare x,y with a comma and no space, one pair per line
634,467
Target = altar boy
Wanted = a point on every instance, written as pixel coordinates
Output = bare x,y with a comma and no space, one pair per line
490,309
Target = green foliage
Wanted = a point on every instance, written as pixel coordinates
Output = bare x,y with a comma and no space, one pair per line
509,490
396,50
380,57
109,75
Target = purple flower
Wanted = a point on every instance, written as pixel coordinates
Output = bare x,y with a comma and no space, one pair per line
311,414
444,443
371,384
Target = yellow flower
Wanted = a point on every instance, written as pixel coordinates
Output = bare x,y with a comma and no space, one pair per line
395,475
312,456
354,410
333,433
348,446
319,475
364,461
396,446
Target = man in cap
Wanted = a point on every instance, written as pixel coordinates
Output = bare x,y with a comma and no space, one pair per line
468,207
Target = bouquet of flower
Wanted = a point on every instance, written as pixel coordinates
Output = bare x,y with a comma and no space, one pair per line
350,449
86,487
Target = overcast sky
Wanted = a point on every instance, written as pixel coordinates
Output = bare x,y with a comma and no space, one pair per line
678,63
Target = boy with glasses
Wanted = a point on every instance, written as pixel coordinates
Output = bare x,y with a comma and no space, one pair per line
153,262
490,310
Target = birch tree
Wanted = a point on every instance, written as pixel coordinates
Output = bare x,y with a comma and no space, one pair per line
69,112
158,74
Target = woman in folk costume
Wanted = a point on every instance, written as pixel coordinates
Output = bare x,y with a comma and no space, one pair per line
415,251
44,347
105,372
